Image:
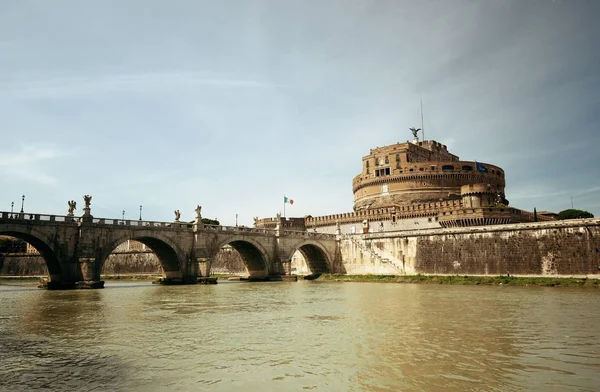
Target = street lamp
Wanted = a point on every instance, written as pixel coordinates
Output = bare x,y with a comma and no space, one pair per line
22,202
140,212
12,204
123,215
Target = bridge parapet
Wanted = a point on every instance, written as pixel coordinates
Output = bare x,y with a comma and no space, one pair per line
237,229
141,223
307,234
23,216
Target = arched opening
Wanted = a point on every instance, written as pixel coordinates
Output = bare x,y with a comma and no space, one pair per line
228,261
254,260
240,258
308,260
23,254
140,256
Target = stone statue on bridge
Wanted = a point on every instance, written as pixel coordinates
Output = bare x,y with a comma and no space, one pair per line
72,207
87,216
255,221
198,213
177,215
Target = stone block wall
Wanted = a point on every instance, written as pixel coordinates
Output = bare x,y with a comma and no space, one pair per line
122,263
562,248
559,251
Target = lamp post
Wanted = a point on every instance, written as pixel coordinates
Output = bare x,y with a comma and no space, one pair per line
12,204
22,202
236,215
140,212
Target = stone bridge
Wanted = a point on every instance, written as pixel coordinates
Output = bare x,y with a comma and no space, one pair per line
75,249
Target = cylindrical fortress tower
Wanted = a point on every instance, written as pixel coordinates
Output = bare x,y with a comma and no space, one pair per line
479,195
419,172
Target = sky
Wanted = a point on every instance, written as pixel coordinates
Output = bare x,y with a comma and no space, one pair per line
233,104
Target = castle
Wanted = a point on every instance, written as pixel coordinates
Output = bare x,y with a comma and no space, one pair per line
417,185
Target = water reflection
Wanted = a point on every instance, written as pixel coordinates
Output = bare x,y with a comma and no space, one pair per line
308,335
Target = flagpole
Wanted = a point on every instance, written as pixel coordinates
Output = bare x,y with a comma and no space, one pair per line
422,124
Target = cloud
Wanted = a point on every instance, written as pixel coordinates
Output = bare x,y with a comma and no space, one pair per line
144,82
30,163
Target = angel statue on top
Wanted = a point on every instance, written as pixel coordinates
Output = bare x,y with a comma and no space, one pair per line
72,207
414,131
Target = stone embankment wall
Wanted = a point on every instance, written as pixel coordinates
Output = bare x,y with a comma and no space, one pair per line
22,264
561,248
122,263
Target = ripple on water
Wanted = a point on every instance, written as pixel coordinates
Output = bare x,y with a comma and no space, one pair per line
290,336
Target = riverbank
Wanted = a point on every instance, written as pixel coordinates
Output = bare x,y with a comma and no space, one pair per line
147,277
466,280
423,279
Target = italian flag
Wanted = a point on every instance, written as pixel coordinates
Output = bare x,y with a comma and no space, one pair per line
287,200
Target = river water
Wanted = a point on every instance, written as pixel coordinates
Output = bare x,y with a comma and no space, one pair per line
299,336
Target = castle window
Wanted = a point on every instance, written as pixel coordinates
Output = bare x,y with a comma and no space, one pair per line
387,171
387,160
432,167
367,163
397,157
447,168
467,168
367,170
421,169
412,169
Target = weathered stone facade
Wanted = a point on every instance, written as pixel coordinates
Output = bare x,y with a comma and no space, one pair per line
561,248
417,172
416,185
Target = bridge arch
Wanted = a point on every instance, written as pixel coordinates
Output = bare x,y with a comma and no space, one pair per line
316,256
40,242
169,255
253,253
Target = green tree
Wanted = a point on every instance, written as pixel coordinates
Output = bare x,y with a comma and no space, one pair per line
574,214
207,221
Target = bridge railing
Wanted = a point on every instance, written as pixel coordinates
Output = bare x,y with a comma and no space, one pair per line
143,223
237,229
17,216
140,223
308,234
27,216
